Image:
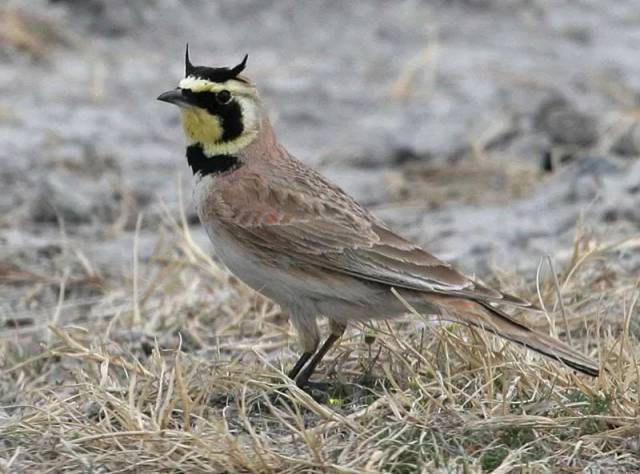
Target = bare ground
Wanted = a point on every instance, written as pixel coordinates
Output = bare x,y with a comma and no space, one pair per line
494,133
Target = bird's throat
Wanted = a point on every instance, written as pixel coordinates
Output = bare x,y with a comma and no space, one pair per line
203,164
200,126
206,130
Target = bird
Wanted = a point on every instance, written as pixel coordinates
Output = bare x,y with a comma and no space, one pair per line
290,234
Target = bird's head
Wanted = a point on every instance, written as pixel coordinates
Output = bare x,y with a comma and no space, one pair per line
221,109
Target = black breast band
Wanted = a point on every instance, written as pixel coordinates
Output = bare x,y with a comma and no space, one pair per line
217,164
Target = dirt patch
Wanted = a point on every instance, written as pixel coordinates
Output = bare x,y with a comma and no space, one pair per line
494,133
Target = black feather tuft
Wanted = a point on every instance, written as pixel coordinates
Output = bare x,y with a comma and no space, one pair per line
240,67
188,67
214,74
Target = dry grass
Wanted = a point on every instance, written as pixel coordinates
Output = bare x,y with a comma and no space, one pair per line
179,369
35,35
433,186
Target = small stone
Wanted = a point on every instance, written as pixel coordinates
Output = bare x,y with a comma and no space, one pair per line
59,196
75,199
628,145
565,125
597,166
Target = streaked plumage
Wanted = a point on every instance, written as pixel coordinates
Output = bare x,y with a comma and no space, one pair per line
287,232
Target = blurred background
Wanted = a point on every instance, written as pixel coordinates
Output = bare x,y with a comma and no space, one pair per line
493,132
487,130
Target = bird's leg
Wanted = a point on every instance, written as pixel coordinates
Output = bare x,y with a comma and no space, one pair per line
337,330
303,378
293,373
309,337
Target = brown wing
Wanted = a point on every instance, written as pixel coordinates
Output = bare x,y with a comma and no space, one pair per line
315,222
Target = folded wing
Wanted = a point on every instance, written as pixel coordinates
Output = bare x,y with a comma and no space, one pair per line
323,226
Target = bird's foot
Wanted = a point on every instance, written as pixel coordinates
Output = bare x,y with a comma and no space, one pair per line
319,391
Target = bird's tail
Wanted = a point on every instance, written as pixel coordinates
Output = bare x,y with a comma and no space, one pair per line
492,319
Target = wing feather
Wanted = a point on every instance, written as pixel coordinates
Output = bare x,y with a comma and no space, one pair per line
315,222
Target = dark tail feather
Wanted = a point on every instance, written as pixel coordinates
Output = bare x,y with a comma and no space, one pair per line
542,343
492,319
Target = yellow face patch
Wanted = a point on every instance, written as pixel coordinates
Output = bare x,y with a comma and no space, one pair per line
203,128
207,129
200,126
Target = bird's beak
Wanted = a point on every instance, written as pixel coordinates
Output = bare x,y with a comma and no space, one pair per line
174,97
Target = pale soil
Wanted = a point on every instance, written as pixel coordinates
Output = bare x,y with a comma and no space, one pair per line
441,116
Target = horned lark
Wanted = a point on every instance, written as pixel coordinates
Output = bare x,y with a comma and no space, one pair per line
298,239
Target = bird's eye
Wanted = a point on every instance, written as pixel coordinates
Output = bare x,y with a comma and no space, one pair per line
223,97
